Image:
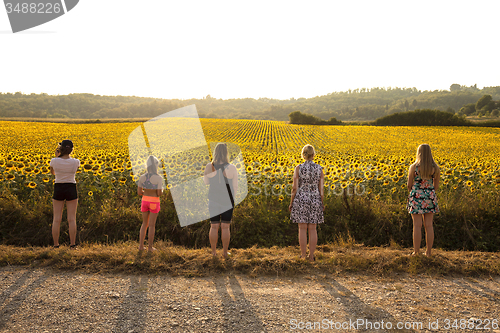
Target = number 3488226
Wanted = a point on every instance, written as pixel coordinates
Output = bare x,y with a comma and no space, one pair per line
33,8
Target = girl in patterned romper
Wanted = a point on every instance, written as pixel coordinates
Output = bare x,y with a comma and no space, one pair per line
306,206
423,182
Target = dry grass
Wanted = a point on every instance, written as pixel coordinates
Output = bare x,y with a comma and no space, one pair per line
176,260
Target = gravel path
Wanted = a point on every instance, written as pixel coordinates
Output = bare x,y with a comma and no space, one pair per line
44,300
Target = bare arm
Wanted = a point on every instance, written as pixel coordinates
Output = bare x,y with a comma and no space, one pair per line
322,188
437,176
140,191
411,177
52,171
234,180
208,171
294,186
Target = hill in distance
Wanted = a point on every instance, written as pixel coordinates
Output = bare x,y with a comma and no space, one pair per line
359,104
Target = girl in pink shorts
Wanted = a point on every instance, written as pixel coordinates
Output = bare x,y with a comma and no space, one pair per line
150,187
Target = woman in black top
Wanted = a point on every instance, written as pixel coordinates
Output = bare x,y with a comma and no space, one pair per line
223,180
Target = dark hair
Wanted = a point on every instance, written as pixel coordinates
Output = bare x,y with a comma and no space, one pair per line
65,148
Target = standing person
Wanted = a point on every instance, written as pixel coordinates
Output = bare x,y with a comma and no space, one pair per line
64,168
223,180
423,182
150,187
306,205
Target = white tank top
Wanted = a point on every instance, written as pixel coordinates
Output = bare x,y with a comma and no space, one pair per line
65,169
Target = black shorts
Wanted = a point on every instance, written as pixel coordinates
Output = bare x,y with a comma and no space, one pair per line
65,191
219,212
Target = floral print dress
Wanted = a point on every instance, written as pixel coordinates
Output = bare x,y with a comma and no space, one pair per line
307,206
422,198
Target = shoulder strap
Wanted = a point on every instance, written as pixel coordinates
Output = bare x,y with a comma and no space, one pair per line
229,191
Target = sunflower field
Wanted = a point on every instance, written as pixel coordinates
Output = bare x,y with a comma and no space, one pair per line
365,182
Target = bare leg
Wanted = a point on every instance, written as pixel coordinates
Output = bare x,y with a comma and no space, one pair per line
313,240
225,236
58,206
214,237
417,232
429,232
144,227
303,239
71,211
151,231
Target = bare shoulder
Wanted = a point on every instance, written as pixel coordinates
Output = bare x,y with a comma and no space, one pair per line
232,170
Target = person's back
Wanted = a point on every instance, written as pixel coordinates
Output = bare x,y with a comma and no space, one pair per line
150,183
217,191
65,169
309,176
419,182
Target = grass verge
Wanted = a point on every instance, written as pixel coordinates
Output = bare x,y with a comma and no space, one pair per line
178,260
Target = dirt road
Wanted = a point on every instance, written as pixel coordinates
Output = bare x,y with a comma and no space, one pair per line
44,300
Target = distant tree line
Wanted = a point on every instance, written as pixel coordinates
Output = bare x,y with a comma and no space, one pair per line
298,117
424,117
485,106
358,104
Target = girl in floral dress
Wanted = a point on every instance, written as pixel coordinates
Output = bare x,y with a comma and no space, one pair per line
423,182
306,205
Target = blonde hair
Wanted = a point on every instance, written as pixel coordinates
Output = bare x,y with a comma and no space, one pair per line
425,161
307,152
221,154
152,164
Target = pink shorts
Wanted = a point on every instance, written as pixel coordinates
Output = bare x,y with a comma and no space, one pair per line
150,204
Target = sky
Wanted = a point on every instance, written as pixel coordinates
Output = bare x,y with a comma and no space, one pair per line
238,49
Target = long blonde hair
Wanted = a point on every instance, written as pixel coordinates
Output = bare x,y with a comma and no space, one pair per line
425,161
221,154
307,152
152,164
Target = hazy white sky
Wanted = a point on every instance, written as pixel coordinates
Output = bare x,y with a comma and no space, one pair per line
237,49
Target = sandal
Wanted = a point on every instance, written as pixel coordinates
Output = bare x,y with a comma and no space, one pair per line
55,246
72,247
